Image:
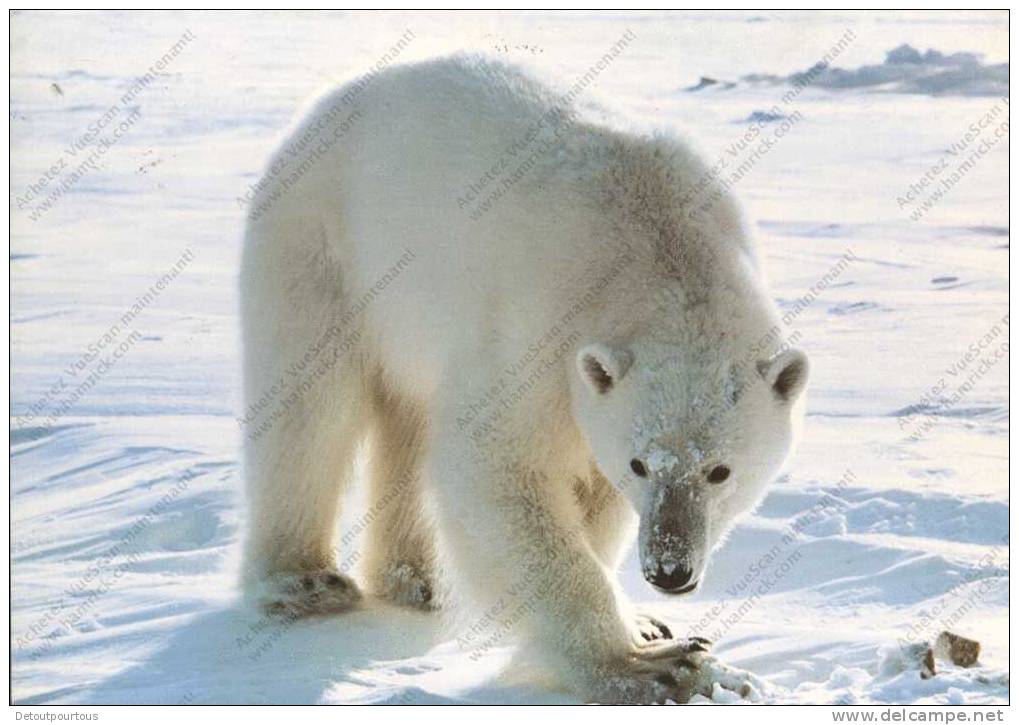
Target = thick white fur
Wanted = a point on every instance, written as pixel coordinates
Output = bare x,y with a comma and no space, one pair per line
526,515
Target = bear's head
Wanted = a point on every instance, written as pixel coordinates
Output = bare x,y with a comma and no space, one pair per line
692,436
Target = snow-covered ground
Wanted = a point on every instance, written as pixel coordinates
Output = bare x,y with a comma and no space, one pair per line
891,525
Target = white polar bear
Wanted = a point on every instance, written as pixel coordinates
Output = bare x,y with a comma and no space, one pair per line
543,333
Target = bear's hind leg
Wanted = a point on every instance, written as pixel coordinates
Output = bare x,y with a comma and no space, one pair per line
400,551
305,415
297,474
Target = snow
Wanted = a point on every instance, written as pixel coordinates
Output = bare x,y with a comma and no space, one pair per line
891,522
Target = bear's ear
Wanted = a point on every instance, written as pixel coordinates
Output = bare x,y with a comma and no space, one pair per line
602,367
786,373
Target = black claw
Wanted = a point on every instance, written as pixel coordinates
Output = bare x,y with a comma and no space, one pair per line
697,647
664,629
701,640
334,580
646,636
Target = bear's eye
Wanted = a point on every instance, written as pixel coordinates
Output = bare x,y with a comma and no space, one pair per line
637,467
718,474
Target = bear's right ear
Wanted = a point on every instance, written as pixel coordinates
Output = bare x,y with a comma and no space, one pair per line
602,367
786,373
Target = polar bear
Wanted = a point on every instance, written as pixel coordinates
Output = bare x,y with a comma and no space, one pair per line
550,335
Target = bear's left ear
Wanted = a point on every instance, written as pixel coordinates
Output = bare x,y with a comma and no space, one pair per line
786,373
602,367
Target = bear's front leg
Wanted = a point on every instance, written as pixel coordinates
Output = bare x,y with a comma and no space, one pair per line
517,542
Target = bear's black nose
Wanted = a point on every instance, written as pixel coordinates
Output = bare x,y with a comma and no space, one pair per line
676,581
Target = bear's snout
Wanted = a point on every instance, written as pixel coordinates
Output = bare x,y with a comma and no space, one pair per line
672,579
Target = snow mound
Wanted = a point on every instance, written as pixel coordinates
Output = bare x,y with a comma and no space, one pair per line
905,70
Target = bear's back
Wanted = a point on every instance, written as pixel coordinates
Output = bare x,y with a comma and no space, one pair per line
512,207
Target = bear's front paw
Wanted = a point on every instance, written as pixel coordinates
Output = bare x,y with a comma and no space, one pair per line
309,593
650,629
676,671
722,683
